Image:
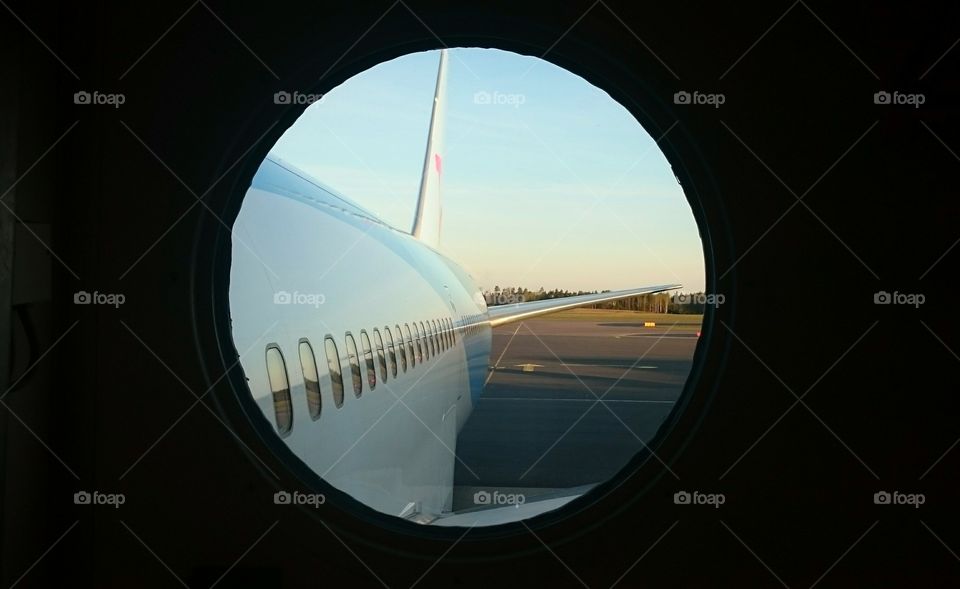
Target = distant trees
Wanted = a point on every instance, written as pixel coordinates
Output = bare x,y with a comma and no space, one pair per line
664,302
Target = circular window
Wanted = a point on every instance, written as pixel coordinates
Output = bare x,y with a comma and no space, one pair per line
466,287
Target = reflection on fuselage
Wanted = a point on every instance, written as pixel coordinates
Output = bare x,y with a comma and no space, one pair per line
310,266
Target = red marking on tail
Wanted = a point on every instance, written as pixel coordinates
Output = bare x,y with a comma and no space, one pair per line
436,162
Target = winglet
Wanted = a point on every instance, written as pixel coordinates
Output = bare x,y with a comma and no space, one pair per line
426,224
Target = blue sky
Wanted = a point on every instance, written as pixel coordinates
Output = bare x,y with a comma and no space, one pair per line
552,183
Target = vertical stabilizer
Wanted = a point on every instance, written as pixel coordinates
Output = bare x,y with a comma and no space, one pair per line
426,224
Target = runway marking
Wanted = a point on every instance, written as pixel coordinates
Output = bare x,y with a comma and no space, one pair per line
664,336
612,365
505,348
577,400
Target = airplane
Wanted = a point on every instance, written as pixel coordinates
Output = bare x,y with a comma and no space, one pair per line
364,346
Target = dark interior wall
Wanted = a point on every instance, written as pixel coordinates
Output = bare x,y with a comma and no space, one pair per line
111,407
34,414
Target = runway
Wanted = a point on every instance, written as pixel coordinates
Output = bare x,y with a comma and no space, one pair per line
540,431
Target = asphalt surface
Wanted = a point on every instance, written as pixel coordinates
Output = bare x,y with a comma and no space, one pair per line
541,431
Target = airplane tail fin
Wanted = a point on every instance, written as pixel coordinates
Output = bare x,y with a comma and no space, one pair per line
426,224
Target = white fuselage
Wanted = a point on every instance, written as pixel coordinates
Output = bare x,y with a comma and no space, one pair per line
309,264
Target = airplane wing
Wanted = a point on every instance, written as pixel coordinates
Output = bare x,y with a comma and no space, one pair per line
503,314
491,515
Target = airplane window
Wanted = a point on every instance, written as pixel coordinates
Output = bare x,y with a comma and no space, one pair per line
426,342
381,355
432,327
453,334
401,349
423,339
410,349
354,365
391,351
311,379
431,339
280,388
437,337
368,359
333,367
419,348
